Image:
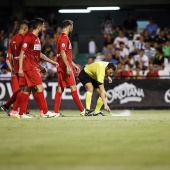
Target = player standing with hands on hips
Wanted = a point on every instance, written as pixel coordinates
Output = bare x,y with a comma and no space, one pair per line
65,69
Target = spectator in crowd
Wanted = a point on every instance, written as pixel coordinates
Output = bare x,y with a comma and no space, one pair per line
123,74
92,47
57,32
140,44
90,60
75,43
108,39
5,73
124,53
130,26
138,74
117,56
53,21
158,61
141,60
109,58
48,44
51,71
161,38
14,27
49,30
107,25
108,49
149,51
152,74
152,27
7,40
166,49
120,38
146,35
116,30
2,61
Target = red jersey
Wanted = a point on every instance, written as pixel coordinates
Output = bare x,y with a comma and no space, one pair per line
14,49
152,74
63,43
32,47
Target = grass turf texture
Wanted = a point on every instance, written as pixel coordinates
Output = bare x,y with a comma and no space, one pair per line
138,142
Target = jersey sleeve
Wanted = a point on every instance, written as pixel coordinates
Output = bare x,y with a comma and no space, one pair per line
26,43
100,75
63,43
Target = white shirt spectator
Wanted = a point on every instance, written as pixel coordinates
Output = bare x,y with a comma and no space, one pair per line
92,47
124,52
120,39
143,59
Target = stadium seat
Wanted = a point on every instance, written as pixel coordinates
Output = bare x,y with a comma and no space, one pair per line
164,74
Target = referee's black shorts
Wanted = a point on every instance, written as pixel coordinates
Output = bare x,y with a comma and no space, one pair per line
85,78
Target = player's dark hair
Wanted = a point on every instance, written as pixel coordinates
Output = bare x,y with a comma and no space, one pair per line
21,24
24,22
38,22
112,66
67,23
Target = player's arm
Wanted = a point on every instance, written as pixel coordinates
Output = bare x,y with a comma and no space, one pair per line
76,67
42,56
64,58
103,96
21,59
9,62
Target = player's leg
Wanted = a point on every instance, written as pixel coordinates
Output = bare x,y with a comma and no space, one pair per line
24,101
57,100
41,101
99,104
89,92
76,98
12,99
86,81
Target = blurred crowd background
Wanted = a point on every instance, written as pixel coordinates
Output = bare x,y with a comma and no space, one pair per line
137,42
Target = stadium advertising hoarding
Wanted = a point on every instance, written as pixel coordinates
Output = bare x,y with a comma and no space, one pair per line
129,94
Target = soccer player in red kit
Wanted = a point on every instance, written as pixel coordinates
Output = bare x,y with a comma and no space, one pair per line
29,68
65,69
12,60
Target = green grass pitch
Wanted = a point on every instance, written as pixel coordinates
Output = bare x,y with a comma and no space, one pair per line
138,142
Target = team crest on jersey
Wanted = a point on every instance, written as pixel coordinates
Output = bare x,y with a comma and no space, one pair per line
37,46
63,45
25,45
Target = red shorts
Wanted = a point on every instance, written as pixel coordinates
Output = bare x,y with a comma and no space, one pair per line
22,81
65,80
15,83
32,78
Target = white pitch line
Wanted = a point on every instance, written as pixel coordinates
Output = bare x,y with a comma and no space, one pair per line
123,113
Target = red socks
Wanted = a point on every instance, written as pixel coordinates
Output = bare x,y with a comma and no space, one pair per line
41,101
23,103
17,102
12,99
77,100
57,102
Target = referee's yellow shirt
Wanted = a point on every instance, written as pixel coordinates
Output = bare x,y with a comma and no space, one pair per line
97,70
